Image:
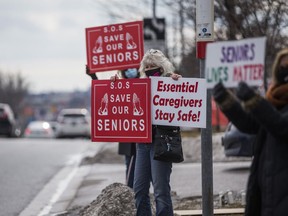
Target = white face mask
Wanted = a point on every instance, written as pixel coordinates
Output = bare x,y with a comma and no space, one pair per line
131,73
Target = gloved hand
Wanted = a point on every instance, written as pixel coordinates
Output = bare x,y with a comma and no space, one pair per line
93,75
244,92
87,70
220,93
282,75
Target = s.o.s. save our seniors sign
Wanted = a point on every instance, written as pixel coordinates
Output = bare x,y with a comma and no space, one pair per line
114,47
121,110
235,61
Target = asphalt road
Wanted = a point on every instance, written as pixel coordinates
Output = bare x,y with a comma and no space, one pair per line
26,165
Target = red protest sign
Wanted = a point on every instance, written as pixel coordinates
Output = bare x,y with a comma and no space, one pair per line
121,110
114,47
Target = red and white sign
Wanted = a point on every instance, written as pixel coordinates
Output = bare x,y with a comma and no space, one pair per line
179,102
121,110
114,47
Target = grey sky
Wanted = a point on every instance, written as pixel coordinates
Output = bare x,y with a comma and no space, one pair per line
45,41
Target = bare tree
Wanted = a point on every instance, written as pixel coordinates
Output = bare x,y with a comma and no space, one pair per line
254,18
13,89
234,19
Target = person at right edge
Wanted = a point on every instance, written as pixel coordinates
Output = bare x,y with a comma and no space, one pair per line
267,189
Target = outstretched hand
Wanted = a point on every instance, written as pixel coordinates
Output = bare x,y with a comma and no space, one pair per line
219,92
244,92
92,75
87,70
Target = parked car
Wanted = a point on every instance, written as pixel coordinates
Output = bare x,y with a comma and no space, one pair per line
73,123
54,125
236,143
39,129
8,123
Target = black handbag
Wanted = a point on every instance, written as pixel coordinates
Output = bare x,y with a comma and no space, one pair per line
168,144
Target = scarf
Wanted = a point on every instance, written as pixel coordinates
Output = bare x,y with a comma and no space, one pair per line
278,95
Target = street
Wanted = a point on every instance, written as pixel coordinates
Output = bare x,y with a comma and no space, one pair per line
26,165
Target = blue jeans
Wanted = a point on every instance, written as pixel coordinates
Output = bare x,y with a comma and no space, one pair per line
147,169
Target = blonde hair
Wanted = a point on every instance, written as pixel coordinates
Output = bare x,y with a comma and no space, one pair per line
157,58
276,63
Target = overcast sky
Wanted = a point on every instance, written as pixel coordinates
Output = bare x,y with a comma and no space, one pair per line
44,40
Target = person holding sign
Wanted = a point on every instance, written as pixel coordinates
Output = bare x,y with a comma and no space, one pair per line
129,149
267,190
126,149
147,169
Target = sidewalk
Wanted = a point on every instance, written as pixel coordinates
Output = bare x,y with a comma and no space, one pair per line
185,181
86,182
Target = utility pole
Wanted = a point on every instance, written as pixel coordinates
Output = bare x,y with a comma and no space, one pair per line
204,35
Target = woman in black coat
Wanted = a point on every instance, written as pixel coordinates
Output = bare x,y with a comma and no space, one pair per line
267,190
126,149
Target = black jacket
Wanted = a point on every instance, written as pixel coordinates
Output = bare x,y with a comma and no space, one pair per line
267,189
128,149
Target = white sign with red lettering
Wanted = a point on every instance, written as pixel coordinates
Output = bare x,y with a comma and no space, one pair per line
235,61
179,102
114,47
121,110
